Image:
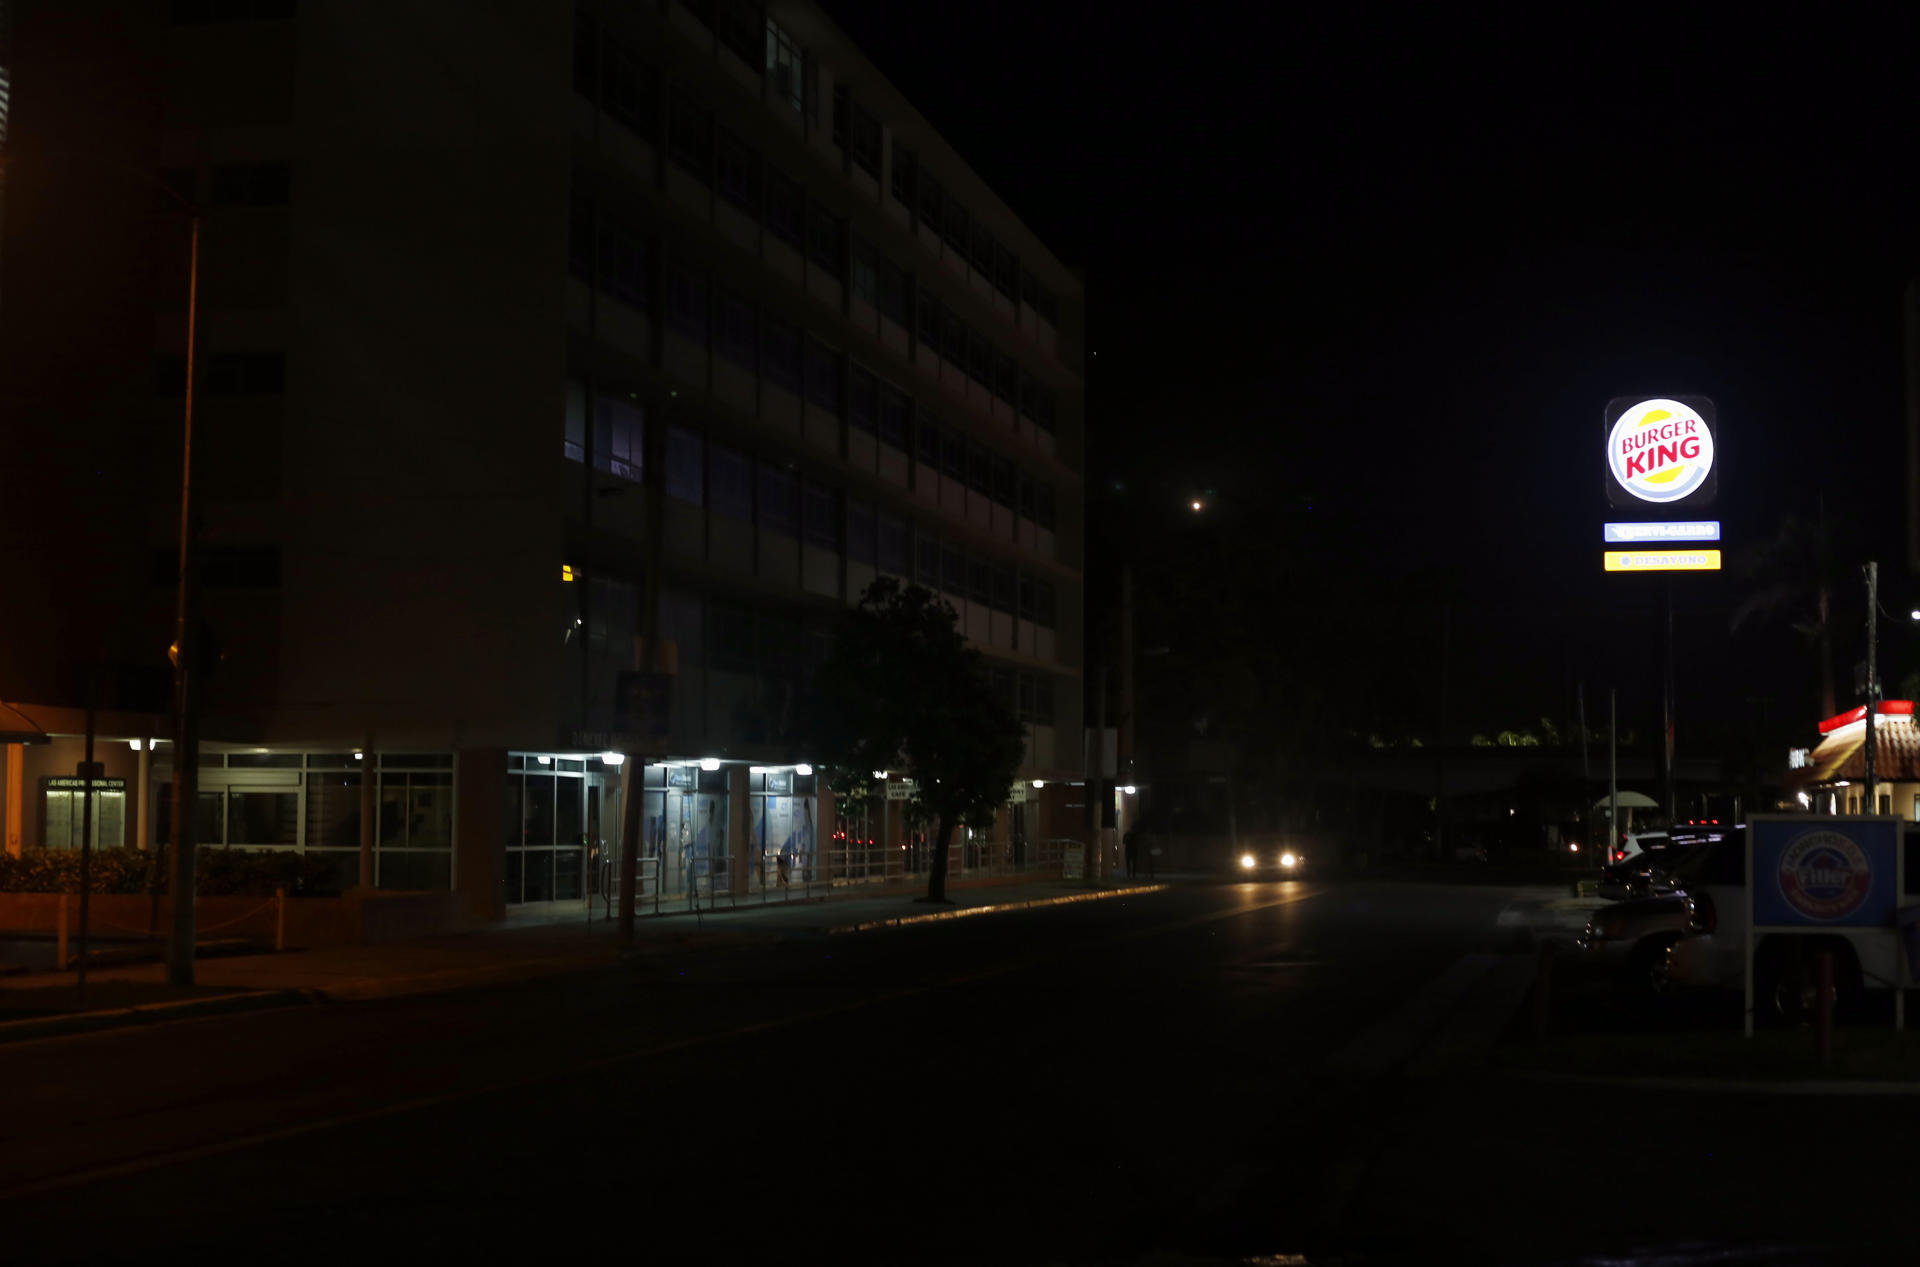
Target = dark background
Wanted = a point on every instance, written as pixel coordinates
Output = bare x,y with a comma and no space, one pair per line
1372,282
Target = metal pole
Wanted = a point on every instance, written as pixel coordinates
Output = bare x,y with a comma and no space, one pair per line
86,839
1613,773
1666,699
186,677
1586,770
1873,687
1097,780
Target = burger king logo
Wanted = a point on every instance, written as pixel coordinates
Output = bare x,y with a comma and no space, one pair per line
1825,875
1660,450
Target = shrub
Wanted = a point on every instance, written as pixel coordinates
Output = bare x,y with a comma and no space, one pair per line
222,872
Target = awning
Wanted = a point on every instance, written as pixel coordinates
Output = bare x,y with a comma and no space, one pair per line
15,728
1843,754
1630,800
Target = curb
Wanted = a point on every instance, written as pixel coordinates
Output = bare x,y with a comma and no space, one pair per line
149,1014
1722,1086
995,908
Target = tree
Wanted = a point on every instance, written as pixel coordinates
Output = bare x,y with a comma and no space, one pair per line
902,691
1793,576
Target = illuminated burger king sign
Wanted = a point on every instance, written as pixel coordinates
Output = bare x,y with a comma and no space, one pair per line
1660,451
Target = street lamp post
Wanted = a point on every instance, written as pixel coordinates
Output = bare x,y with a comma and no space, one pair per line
186,670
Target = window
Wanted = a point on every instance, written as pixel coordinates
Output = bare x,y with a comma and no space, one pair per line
687,303
862,394
1044,508
905,165
823,239
1003,589
738,26
953,570
823,376
865,142
956,226
586,57
927,561
580,237
618,437
842,107
953,337
786,209
225,374
730,481
891,534
735,336
1043,604
691,137
1003,481
860,533
1038,297
953,455
821,518
739,173
929,319
1025,590
1006,377
893,417
1028,496
784,60
1006,273
685,479
927,451
251,185
193,12
1043,401
894,288
979,581
780,360
982,256
979,469
629,91
931,202
623,262
732,641
865,268
979,358
777,510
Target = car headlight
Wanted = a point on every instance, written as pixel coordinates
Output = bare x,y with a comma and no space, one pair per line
1246,862
1288,860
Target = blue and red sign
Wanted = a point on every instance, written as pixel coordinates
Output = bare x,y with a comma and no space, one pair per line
1825,871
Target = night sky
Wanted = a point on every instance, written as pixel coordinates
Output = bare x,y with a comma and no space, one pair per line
1395,273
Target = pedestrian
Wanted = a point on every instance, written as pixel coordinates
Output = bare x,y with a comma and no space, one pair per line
1132,841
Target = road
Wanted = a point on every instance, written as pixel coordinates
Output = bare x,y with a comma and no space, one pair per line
1093,1083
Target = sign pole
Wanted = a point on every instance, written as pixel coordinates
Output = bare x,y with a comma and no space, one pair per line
1873,688
1613,772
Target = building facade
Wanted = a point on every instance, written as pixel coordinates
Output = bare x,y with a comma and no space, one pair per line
466,272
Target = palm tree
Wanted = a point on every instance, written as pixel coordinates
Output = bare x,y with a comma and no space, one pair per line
1794,579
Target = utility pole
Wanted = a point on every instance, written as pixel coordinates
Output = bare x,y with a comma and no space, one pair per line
1873,687
186,673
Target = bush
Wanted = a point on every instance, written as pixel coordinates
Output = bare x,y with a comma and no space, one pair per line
221,873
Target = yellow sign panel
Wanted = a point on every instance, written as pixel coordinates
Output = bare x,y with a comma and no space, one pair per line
1663,560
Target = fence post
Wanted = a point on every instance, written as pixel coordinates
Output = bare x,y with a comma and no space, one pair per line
280,919
60,937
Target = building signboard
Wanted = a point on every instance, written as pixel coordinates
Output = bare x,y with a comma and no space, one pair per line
1660,452
1661,560
900,789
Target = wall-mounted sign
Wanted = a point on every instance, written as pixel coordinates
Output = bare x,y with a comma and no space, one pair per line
1799,758
1660,451
1691,530
900,789
1662,560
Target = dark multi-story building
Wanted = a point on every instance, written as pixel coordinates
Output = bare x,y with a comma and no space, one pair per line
465,270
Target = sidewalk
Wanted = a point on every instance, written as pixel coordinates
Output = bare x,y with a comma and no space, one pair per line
42,1004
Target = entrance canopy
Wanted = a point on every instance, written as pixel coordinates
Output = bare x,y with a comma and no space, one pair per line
15,728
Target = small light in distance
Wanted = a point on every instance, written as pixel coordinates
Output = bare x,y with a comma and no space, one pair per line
1198,504
709,764
613,758
1573,847
1805,801
359,756
1289,860
803,769
544,760
880,774
1129,789
1038,784
1914,614
1246,862
134,744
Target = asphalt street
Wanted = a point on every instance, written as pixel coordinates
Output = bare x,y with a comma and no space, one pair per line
1102,1082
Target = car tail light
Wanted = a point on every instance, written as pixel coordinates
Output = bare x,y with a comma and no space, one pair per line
1701,915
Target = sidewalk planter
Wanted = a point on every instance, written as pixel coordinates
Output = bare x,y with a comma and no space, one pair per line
355,918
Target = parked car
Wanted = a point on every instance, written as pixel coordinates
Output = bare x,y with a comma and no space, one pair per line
1632,938
1646,874
1634,844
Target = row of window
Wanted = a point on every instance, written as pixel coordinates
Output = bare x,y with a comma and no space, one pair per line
618,448
624,85
767,493
604,240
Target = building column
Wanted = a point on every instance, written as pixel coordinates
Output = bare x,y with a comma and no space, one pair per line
143,807
740,840
369,808
16,796
822,830
480,832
